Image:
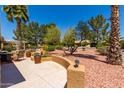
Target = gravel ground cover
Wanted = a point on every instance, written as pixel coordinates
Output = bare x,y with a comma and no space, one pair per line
98,73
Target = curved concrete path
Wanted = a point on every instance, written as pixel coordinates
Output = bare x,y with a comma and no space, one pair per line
44,75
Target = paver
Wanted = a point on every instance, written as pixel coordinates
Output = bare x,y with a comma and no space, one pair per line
27,74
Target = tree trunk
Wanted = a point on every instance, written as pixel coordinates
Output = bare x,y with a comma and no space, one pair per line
114,53
72,49
19,29
97,37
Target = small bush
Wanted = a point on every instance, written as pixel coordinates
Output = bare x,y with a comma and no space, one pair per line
7,48
50,48
102,50
84,44
101,44
59,47
45,47
93,44
122,44
32,47
46,54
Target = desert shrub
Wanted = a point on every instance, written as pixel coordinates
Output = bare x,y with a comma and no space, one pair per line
59,47
122,44
84,44
102,44
103,50
102,47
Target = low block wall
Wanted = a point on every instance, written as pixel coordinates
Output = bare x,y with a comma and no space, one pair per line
62,61
46,59
75,76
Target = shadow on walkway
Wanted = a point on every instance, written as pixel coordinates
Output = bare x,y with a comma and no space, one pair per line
10,75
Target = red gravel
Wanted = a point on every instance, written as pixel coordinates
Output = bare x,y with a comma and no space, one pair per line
98,73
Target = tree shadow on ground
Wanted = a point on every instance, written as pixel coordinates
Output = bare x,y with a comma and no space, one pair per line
88,56
10,75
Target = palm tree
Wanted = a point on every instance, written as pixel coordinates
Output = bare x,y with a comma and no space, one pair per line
114,54
18,13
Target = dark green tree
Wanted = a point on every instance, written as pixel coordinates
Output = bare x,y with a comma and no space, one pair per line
83,31
32,33
80,33
53,35
22,33
69,41
99,28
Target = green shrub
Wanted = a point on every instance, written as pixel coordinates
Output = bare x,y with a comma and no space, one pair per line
102,43
50,48
99,45
93,44
59,47
45,47
84,44
122,44
32,47
46,54
7,48
102,50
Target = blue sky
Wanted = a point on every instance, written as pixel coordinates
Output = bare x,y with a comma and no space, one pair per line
64,16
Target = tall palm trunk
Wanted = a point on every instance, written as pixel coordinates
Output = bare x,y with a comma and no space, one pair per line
19,46
114,54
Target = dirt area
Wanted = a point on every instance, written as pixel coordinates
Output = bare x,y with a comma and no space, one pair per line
98,73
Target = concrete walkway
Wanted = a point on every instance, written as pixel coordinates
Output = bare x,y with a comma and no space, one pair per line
26,74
